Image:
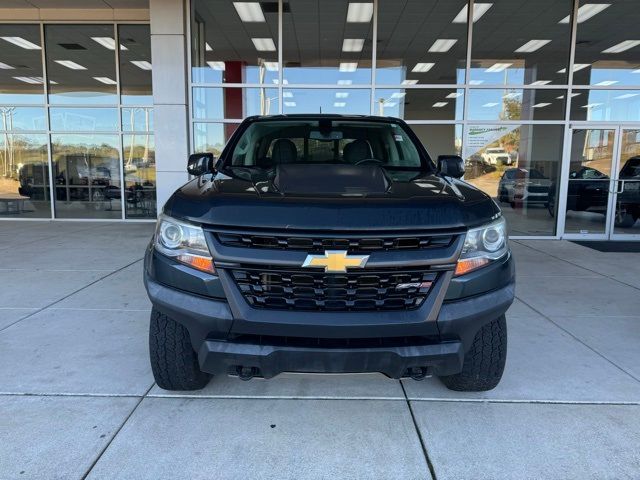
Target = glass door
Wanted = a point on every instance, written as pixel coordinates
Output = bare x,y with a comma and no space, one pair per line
589,188
626,183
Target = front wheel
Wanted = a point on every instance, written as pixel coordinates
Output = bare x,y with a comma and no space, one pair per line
173,361
485,360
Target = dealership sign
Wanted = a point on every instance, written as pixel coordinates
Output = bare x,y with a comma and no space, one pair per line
480,137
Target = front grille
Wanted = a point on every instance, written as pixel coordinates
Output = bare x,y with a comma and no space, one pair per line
317,342
318,243
362,291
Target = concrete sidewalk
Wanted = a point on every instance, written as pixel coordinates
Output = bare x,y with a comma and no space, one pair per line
77,398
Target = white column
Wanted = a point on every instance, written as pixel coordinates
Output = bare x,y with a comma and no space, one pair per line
169,45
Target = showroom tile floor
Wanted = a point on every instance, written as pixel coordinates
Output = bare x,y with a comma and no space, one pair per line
77,398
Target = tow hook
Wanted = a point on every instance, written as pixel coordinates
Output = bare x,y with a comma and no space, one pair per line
246,373
419,373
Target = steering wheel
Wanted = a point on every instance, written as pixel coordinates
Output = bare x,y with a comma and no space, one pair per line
369,160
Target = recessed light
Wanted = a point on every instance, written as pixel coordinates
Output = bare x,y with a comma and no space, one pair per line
4,66
398,95
479,9
271,66
454,95
572,95
106,80
440,104
32,80
342,94
287,94
352,44
532,46
360,12
576,67
216,65
587,11
108,42
626,95
409,82
21,42
207,47
422,67
512,95
606,83
70,64
591,105
345,82
249,11
289,104
442,45
348,66
264,44
142,64
389,104
339,104
498,67
476,82
490,104
540,82
541,105
622,46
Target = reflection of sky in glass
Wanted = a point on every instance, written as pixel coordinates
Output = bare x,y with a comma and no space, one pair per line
22,118
84,119
606,105
619,76
356,101
327,75
210,103
396,75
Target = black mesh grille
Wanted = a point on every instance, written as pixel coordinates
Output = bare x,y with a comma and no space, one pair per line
362,291
320,243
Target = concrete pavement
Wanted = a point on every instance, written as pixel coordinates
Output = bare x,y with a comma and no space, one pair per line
77,398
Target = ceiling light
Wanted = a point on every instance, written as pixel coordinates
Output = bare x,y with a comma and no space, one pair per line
389,104
440,104
70,64
475,82
491,104
348,66
398,95
479,9
606,83
541,105
32,80
498,67
216,65
409,82
289,104
626,95
442,45
342,94
207,47
359,12
587,11
576,67
540,82
143,64
106,80
249,11
271,66
108,42
532,46
339,104
423,67
622,46
352,44
21,42
454,95
591,105
4,66
345,82
264,44
572,95
512,95
287,94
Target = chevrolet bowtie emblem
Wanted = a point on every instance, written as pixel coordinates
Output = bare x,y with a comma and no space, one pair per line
336,261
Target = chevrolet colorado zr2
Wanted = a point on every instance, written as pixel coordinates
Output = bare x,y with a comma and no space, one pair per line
327,243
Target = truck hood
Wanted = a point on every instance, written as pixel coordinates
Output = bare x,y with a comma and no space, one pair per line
329,199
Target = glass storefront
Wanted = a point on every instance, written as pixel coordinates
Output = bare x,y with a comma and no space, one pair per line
493,84
76,122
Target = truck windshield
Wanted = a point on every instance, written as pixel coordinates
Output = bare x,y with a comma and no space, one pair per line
266,144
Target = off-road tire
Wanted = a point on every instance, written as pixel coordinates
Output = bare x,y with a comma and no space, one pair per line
173,360
484,362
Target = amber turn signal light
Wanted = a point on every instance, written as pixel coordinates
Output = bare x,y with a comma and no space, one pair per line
469,265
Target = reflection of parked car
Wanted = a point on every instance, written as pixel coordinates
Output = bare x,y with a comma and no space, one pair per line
34,180
496,156
628,201
519,185
588,190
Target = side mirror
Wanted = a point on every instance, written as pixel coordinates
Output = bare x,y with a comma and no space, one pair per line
451,165
200,163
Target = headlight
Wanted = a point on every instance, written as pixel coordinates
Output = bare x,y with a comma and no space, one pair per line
482,245
184,243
